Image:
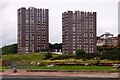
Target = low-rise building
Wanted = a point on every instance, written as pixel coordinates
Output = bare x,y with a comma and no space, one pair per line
108,40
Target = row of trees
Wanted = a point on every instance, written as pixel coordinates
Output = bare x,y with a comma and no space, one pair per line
112,54
55,46
102,52
9,49
13,48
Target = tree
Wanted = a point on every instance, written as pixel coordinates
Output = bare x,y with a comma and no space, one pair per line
79,53
9,49
55,46
48,55
100,48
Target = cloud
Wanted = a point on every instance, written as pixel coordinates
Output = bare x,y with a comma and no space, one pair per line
106,16
3,6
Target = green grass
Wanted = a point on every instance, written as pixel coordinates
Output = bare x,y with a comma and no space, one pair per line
26,59
80,68
64,68
30,57
40,57
71,67
4,67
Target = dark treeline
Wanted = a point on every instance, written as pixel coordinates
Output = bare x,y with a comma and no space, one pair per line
55,46
12,49
9,49
102,52
111,54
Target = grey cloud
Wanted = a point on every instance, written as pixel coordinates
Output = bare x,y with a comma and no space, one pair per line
4,5
106,13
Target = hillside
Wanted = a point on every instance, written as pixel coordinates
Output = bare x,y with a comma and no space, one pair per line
12,49
30,57
9,49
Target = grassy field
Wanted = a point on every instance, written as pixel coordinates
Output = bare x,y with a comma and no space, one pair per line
74,68
23,57
32,57
26,59
40,57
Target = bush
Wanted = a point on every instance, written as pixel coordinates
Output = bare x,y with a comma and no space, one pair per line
63,56
79,53
112,54
48,55
9,49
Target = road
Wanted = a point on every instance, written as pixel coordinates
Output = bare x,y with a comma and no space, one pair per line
53,78
23,75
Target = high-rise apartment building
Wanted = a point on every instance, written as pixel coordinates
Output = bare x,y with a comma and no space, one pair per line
78,31
33,25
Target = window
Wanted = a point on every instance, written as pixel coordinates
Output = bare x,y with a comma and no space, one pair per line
26,38
86,51
91,35
73,24
26,21
27,42
26,33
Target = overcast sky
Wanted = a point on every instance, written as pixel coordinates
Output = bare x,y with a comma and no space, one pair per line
107,16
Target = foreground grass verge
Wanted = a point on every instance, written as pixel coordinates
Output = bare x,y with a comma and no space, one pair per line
72,68
28,59
77,68
41,57
16,57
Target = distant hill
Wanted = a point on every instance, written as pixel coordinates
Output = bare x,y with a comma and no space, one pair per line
12,49
16,57
9,49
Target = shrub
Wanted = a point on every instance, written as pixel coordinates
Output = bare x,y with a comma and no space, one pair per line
63,56
48,55
79,53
